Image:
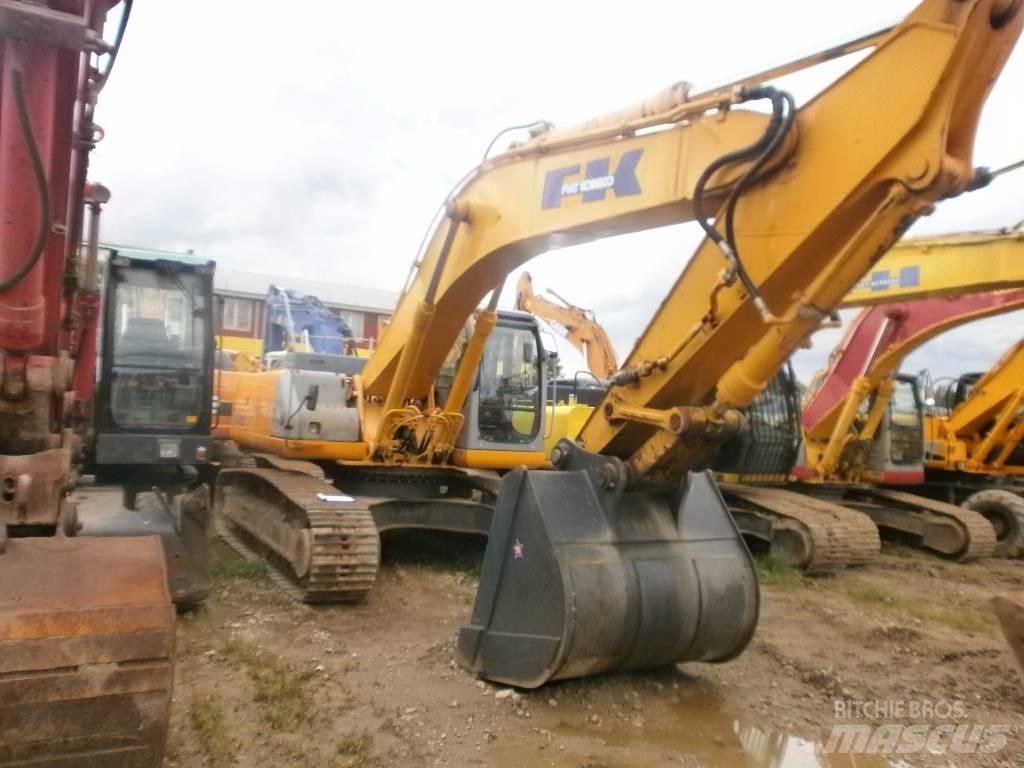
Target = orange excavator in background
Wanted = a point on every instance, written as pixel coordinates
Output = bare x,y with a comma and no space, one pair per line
982,427
578,325
625,556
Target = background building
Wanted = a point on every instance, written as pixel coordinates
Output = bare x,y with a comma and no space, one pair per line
241,294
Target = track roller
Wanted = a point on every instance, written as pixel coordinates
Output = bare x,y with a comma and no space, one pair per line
1005,510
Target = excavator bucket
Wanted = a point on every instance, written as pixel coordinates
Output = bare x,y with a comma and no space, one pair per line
1010,611
581,577
181,523
86,646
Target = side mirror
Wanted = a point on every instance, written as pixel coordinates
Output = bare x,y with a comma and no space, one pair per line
312,397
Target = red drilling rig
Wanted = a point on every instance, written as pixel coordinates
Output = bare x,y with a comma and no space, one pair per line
86,623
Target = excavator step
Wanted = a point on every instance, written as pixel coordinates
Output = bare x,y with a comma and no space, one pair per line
324,542
581,577
86,652
820,536
946,529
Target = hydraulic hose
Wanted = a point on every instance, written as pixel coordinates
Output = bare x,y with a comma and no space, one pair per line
39,171
783,116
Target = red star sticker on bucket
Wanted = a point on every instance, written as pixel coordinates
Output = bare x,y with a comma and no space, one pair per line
517,550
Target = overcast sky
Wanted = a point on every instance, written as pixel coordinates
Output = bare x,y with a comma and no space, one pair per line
318,143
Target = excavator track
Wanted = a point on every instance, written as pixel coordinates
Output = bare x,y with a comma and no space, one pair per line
950,530
821,536
324,551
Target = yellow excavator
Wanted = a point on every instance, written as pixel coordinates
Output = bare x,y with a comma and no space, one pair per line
579,326
862,424
623,557
983,427
973,429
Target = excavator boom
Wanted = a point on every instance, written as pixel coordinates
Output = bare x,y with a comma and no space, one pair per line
948,265
982,433
990,394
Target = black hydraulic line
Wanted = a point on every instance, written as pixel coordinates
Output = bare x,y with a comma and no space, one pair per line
105,75
39,171
758,165
783,116
786,101
302,402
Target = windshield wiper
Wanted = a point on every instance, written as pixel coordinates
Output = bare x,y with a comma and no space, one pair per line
173,274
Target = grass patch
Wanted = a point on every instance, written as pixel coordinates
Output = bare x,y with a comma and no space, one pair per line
283,694
355,750
964,619
234,567
778,570
207,720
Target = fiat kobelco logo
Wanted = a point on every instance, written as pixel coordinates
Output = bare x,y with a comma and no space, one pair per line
597,179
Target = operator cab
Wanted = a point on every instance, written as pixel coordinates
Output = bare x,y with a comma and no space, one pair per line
898,448
964,387
155,386
505,408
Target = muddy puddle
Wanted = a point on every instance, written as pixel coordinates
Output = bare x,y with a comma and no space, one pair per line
704,734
